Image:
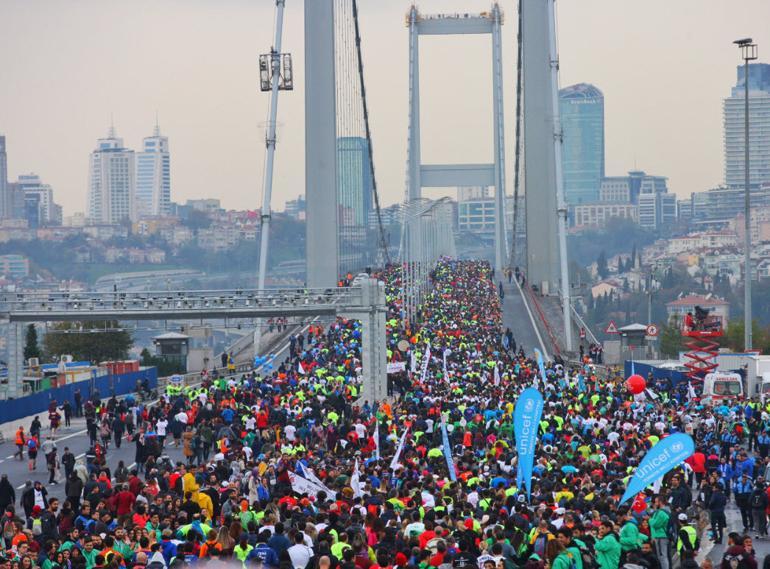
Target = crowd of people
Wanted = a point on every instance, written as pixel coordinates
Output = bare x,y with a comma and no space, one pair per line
287,468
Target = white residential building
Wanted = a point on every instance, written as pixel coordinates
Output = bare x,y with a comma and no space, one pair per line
153,176
112,187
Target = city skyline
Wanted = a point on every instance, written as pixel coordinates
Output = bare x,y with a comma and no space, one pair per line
657,117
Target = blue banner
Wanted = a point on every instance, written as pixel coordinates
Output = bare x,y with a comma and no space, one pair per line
526,424
667,454
540,364
450,464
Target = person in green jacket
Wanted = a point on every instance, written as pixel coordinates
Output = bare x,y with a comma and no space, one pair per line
607,547
630,538
559,557
659,532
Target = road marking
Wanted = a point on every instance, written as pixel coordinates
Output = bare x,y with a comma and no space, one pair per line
10,456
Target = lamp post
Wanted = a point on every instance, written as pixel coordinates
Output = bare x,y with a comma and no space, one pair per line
748,53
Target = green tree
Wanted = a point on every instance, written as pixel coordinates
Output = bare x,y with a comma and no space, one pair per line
601,265
165,367
671,339
31,347
93,341
734,340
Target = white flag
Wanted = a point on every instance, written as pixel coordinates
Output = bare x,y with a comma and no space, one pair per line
304,486
355,482
691,391
300,369
425,362
394,462
377,440
310,475
497,375
413,362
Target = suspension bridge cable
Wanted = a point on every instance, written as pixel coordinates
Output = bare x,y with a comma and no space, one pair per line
381,229
517,167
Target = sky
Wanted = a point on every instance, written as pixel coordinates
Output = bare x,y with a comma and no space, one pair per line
69,67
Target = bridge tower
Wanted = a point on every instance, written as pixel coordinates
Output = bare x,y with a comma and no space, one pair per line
421,175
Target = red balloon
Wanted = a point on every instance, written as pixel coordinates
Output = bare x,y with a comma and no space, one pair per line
636,384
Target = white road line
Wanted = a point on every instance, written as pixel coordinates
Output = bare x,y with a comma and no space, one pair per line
10,456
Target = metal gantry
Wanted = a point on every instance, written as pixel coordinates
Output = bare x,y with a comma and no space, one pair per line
364,302
421,175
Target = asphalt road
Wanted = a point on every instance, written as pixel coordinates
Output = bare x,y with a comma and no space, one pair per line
76,438
516,317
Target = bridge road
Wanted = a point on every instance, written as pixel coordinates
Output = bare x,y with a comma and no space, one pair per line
76,438
518,317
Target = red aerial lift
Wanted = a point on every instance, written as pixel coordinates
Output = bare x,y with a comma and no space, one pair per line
701,332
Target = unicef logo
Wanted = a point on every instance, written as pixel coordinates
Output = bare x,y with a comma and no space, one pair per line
529,405
677,447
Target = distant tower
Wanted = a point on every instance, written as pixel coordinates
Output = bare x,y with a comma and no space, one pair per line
582,120
4,190
111,187
153,176
759,129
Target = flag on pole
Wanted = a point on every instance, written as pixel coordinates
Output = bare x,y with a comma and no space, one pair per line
447,450
377,440
302,485
300,369
355,482
310,475
412,362
425,361
394,462
497,375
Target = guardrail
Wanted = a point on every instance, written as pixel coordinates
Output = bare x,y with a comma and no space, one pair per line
544,320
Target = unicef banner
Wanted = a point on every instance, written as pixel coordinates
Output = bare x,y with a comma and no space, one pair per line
667,454
526,422
450,464
540,364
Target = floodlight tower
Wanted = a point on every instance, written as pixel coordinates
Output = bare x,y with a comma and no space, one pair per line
275,74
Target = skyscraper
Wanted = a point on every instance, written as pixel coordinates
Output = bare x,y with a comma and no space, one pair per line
4,190
111,189
759,128
582,119
39,207
354,201
153,176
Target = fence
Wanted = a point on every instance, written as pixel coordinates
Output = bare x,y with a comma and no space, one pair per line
107,385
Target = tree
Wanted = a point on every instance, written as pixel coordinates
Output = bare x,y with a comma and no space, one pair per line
165,367
31,347
671,339
601,265
93,341
734,335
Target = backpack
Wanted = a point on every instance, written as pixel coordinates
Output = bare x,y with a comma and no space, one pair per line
9,529
37,526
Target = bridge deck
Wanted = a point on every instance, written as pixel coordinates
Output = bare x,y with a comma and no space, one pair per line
518,318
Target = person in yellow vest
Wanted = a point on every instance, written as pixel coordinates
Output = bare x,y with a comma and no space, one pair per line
687,544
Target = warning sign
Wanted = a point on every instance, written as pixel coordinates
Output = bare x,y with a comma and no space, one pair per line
611,328
652,330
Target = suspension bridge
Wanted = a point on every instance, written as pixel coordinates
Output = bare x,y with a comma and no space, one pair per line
340,242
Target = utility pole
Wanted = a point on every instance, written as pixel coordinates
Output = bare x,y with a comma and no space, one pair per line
275,74
748,53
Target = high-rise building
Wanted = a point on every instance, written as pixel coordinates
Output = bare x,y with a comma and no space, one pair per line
581,109
759,128
112,187
4,198
39,207
354,202
354,178
153,176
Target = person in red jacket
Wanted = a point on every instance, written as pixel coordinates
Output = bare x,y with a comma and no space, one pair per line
124,501
698,464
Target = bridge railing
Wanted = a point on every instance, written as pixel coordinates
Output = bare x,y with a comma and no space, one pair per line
153,301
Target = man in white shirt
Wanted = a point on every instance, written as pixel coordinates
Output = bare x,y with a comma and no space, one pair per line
300,553
160,428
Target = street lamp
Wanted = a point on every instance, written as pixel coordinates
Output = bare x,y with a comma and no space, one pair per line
748,53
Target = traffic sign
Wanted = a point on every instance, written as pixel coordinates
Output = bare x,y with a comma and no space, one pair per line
611,328
652,330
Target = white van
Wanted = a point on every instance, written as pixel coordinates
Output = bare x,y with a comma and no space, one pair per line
720,387
764,388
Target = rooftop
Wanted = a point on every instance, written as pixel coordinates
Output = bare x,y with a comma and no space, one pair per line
693,299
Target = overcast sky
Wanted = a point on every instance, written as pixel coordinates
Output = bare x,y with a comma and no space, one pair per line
68,65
